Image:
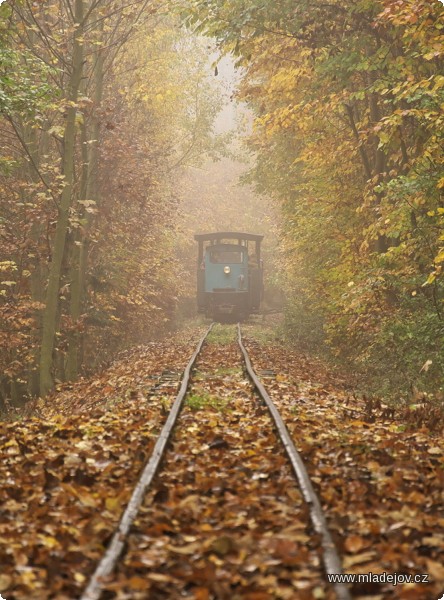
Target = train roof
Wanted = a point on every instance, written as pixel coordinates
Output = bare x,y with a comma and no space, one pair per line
228,235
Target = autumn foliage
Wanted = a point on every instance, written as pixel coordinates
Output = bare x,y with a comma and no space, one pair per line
347,98
224,517
100,106
107,103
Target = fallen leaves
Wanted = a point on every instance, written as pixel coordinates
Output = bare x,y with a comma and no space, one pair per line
5,582
380,482
355,543
225,519
67,476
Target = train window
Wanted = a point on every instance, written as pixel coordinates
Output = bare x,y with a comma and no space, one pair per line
225,256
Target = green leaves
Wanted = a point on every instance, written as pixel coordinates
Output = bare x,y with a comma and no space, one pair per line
24,83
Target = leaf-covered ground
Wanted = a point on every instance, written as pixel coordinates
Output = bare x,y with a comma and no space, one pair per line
380,478
67,474
225,519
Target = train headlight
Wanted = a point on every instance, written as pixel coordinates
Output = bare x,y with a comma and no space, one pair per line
227,270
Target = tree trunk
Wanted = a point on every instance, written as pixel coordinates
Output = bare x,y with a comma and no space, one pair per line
80,251
361,148
38,273
49,320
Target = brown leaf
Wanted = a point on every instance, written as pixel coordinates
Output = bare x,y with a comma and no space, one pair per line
435,569
354,543
5,582
201,593
350,561
222,545
185,550
159,577
138,583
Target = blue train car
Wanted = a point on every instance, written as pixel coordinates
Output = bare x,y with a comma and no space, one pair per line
229,274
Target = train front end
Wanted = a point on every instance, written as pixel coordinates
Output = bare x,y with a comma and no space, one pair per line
226,281
228,275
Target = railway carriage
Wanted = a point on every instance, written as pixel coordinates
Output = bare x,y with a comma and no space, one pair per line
229,274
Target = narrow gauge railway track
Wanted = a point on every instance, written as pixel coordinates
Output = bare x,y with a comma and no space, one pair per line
205,525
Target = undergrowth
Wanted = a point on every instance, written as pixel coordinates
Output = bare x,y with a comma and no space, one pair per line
198,401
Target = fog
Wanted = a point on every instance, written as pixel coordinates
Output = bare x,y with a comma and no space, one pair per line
212,194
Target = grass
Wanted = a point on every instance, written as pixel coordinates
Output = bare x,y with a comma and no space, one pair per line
204,400
264,331
228,371
223,334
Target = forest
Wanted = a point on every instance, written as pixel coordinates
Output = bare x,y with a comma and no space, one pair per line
348,106
106,107
148,450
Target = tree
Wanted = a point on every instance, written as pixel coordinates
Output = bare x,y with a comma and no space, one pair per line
98,133
348,141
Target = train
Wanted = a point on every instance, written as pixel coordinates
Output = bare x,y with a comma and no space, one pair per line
229,274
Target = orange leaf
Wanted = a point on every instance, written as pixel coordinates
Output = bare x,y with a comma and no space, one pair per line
354,543
201,593
138,583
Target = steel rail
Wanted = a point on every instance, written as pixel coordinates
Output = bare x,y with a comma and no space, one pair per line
332,561
109,560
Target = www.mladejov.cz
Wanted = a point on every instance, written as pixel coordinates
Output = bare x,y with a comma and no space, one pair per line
392,578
